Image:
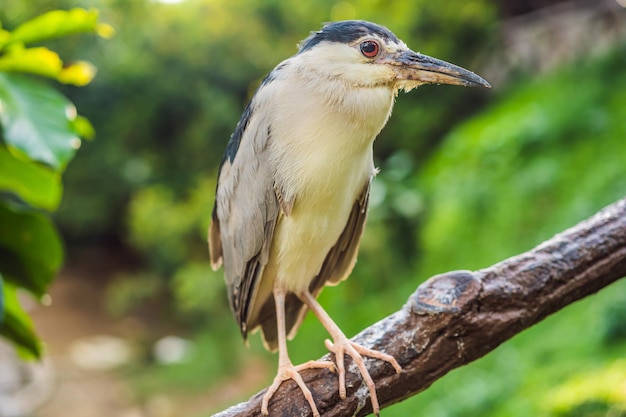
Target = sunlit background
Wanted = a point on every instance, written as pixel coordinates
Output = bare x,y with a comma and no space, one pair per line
139,325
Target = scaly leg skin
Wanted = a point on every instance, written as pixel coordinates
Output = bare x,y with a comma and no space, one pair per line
286,369
341,346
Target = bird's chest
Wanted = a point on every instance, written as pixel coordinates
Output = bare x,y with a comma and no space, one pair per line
324,168
323,177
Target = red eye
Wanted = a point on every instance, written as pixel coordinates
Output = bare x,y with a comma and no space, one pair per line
369,49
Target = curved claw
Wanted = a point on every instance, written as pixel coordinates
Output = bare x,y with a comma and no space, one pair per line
345,346
377,354
293,372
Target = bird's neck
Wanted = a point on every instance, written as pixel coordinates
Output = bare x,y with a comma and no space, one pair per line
360,109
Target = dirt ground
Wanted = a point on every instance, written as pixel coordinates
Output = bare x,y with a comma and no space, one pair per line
76,313
75,318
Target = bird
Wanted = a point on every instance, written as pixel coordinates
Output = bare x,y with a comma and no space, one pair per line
293,185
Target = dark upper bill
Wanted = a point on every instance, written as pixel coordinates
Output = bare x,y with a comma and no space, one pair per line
414,66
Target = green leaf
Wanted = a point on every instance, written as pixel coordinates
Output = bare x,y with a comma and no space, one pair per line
36,184
56,24
37,120
79,73
40,61
30,249
83,127
17,326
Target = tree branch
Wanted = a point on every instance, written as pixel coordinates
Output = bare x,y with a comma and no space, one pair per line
457,317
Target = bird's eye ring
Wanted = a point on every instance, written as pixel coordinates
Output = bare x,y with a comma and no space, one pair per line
369,49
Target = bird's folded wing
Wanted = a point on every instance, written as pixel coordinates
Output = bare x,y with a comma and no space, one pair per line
245,214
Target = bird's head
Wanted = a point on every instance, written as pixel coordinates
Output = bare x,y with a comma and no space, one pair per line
364,54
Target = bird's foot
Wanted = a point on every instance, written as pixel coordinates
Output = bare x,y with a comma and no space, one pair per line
289,371
344,346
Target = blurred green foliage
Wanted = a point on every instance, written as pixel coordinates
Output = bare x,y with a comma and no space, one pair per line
524,161
40,133
536,162
599,392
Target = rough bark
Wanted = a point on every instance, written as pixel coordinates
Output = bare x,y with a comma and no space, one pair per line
457,317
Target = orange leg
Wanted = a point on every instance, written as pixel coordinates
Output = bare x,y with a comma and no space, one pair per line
286,369
341,346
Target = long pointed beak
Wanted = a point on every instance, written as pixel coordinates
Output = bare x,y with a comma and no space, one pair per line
423,69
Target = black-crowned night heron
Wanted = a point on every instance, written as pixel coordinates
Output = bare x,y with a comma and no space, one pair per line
293,185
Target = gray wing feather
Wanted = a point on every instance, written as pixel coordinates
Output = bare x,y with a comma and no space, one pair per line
245,214
342,256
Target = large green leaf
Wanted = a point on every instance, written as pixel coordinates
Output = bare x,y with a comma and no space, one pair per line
36,184
30,249
37,120
16,325
55,24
